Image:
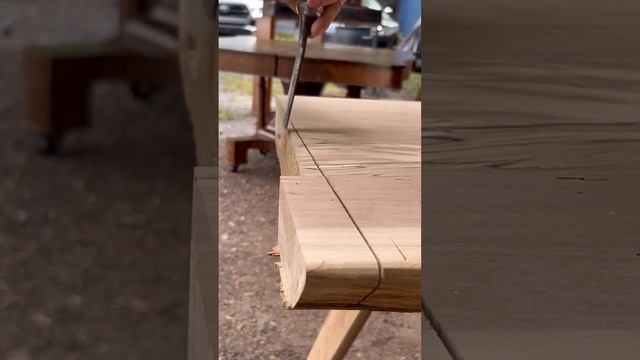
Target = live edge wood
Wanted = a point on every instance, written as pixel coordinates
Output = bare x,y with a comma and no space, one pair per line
349,211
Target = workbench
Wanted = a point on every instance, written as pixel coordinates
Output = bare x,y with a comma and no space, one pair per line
349,222
267,58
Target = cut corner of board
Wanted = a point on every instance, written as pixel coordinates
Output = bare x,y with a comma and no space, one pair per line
335,252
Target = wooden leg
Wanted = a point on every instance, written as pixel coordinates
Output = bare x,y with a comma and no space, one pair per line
237,149
304,88
354,91
264,108
56,99
338,332
267,84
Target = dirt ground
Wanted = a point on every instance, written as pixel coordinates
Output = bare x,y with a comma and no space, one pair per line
94,244
253,324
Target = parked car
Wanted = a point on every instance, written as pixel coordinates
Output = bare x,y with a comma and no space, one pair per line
383,35
238,17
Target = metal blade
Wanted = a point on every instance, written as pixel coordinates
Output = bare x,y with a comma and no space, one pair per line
305,28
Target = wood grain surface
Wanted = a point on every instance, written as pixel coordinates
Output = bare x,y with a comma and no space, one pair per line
349,233
531,153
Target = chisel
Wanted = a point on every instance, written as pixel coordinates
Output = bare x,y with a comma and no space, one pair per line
307,15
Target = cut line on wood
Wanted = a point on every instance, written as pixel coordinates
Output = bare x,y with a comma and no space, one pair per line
439,330
398,247
344,206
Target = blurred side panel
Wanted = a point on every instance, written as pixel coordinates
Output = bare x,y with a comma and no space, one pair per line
203,292
199,64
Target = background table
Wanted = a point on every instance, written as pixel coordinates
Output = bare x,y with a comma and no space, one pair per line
349,65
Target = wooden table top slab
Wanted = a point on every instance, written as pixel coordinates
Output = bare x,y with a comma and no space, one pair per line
353,65
349,228
317,51
532,169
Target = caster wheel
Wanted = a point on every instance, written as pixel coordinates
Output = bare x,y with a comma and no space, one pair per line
142,91
264,152
49,144
233,168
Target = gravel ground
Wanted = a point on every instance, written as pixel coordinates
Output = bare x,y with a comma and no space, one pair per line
94,244
253,324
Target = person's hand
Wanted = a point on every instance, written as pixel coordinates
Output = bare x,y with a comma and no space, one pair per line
331,8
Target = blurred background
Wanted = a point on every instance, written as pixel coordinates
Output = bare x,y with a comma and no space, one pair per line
94,240
96,161
527,103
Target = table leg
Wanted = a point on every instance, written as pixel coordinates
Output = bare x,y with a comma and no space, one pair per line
354,91
238,147
338,332
264,108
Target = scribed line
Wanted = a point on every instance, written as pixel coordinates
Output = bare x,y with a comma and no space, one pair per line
398,247
344,206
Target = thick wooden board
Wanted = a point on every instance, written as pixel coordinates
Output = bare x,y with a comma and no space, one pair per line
532,164
349,233
325,262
